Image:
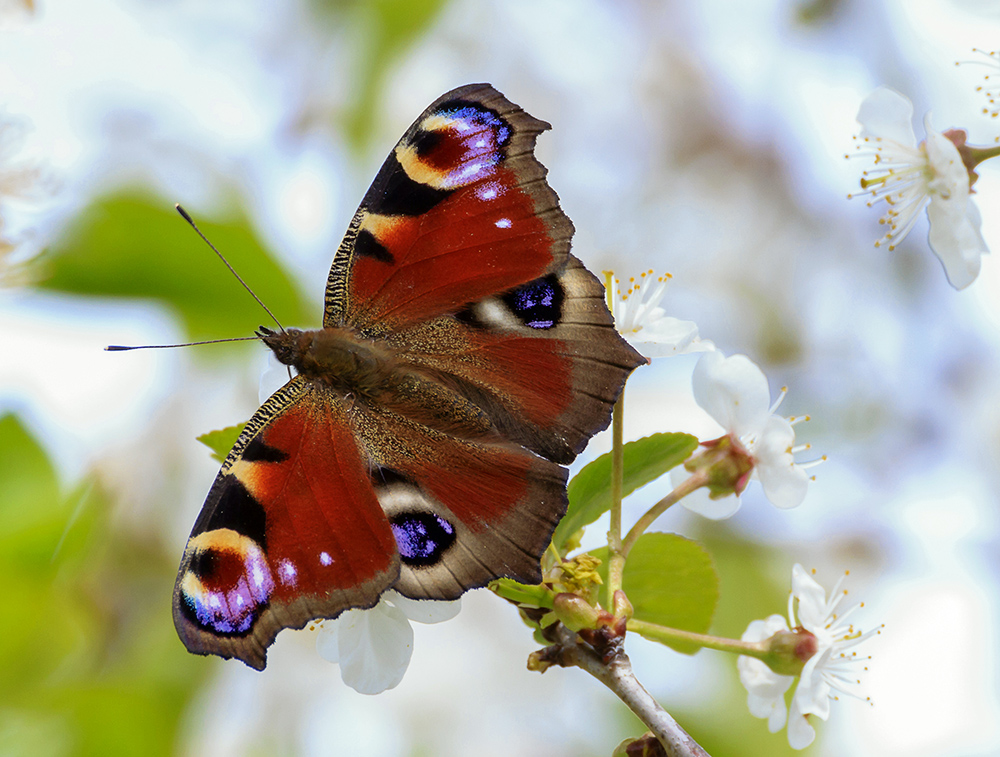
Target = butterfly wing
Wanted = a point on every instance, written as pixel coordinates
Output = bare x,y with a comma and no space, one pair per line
460,210
291,531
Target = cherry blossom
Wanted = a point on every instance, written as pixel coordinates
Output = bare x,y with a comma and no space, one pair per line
909,177
373,647
756,443
827,665
645,325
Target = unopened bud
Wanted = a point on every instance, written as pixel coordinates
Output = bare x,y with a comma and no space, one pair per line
575,612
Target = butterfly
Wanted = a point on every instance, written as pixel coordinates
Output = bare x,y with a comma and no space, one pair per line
465,358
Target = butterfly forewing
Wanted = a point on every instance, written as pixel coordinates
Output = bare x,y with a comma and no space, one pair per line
459,211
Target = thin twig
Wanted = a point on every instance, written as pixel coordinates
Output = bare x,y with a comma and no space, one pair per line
617,675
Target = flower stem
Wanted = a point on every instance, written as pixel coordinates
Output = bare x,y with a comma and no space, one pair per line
616,555
694,481
667,635
979,154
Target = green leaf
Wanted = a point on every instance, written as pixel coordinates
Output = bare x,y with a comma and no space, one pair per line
221,441
670,581
131,245
645,460
90,662
534,595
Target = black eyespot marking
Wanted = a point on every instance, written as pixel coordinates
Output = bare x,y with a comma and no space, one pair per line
204,563
538,304
394,193
421,537
425,142
367,245
234,509
258,452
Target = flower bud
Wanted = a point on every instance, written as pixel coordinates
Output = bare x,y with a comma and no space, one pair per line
575,612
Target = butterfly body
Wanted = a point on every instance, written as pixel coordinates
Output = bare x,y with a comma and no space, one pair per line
465,358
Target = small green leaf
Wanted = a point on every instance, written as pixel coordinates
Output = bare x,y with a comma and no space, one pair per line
670,581
645,460
221,441
536,596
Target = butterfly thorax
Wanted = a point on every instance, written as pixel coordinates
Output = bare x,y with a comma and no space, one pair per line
336,356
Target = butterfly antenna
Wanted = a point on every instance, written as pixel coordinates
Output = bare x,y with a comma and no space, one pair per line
122,348
186,217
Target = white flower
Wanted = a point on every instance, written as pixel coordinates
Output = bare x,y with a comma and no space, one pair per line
910,176
734,391
828,670
373,647
640,319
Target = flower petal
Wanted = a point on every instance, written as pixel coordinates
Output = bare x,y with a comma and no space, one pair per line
328,640
800,733
765,688
955,238
886,114
699,501
424,610
954,231
785,484
734,391
374,648
663,336
812,599
813,692
772,708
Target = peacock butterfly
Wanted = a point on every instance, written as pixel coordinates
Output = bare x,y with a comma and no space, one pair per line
465,358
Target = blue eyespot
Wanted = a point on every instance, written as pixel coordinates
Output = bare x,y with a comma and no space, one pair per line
421,537
538,304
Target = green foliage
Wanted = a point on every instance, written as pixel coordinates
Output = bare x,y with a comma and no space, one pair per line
89,663
131,245
670,581
221,441
590,490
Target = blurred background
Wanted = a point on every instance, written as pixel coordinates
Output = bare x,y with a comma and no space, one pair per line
704,139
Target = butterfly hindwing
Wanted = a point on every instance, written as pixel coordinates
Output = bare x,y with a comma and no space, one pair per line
291,531
463,510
